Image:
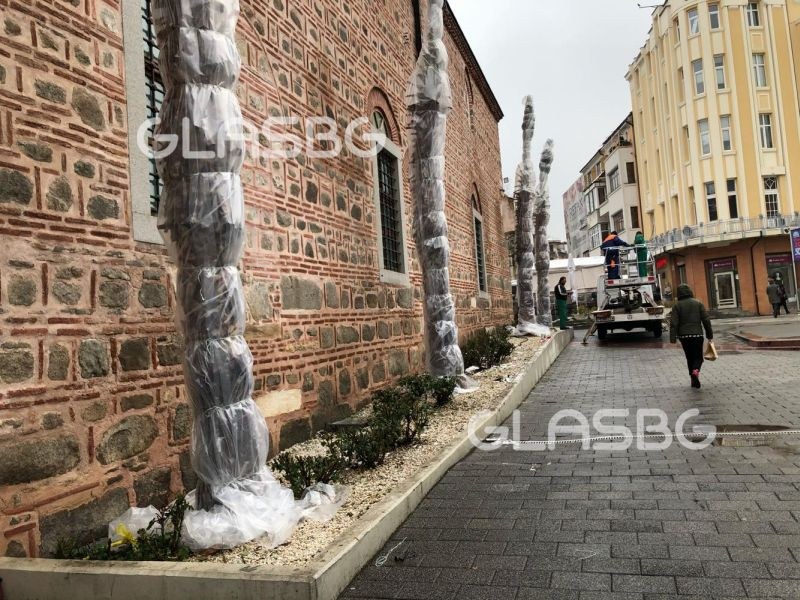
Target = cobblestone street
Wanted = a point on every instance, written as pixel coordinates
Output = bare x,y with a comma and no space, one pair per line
574,524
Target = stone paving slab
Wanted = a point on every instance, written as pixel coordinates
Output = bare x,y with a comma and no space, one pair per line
574,523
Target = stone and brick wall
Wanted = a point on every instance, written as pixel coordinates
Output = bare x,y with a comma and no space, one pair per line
93,415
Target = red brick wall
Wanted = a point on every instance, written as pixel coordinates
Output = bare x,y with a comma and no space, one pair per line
92,409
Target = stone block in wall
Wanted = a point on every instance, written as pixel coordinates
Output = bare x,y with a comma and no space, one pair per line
114,294
181,422
367,332
405,298
136,402
259,305
280,402
169,351
384,330
33,460
16,362
93,359
345,383
134,355
331,295
22,290
15,187
347,335
188,476
378,372
152,295
294,432
131,436
96,411
153,488
83,524
398,363
300,294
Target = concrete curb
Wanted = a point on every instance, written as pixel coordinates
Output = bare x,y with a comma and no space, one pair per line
47,579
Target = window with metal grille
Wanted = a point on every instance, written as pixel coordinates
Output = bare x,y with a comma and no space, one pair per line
391,221
479,255
155,94
771,198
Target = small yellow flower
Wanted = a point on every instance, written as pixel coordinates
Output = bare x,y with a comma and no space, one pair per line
127,536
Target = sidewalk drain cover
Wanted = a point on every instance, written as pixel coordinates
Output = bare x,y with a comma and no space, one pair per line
740,436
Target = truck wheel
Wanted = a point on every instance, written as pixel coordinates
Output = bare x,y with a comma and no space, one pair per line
602,333
658,330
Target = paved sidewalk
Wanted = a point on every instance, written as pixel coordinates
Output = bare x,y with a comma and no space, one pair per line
578,524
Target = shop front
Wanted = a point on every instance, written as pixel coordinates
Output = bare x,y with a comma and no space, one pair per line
779,267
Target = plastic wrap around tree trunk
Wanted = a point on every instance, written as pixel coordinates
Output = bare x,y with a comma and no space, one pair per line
429,100
526,319
201,217
541,211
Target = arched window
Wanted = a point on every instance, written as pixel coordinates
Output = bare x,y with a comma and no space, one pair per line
480,255
389,205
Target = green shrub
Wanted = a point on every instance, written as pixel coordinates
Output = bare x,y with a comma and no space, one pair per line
301,472
438,389
159,541
484,349
398,411
364,448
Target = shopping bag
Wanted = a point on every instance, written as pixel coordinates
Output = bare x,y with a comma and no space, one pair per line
711,352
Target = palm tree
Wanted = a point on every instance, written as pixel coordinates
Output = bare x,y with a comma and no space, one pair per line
201,217
541,211
429,100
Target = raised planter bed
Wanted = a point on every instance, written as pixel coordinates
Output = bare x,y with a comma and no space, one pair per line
314,573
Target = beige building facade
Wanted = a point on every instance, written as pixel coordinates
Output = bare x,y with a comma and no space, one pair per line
717,117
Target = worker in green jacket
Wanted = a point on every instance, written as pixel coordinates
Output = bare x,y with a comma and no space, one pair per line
641,253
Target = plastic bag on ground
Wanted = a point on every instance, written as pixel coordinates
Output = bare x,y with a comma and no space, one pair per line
321,501
132,520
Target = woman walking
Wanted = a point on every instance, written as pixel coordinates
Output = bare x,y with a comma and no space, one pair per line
688,319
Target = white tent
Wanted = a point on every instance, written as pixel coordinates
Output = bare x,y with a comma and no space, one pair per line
587,271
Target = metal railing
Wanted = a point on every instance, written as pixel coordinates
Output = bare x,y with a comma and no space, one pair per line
730,229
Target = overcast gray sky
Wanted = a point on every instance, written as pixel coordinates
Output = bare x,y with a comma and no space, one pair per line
571,56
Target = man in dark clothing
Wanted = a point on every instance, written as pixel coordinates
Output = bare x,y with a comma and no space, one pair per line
610,248
783,292
688,319
774,295
562,295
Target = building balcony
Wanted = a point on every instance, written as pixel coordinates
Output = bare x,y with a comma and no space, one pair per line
722,231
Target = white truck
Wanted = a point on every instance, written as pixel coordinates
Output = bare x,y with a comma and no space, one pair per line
629,300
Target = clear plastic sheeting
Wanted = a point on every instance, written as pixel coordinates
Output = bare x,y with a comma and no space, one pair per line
541,211
429,99
526,320
201,217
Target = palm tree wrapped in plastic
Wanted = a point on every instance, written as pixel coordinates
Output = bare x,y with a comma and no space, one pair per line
541,211
429,100
525,186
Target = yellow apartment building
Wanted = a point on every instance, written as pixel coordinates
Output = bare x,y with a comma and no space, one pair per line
717,119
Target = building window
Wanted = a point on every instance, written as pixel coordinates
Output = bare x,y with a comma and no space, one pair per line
479,250
390,212
711,200
753,15
733,204
699,79
713,15
613,180
765,130
391,221
635,223
618,219
771,199
725,125
759,70
694,21
631,167
155,95
596,236
601,194
686,141
705,137
676,24
681,85
719,70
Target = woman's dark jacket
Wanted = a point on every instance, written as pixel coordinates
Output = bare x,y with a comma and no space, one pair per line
689,317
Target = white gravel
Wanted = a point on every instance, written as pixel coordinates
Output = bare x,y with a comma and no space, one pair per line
367,488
